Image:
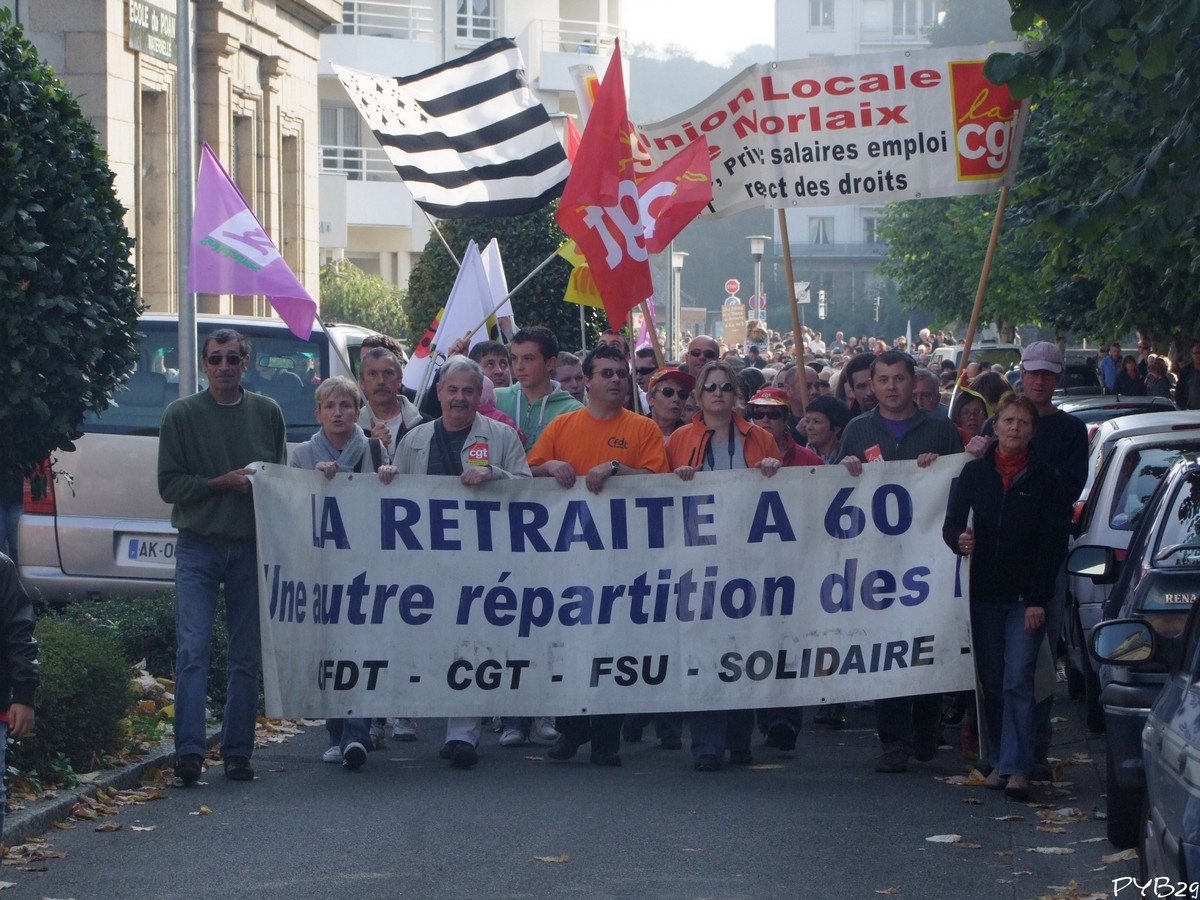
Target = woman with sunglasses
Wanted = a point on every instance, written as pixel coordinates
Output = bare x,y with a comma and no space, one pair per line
718,438
666,394
769,410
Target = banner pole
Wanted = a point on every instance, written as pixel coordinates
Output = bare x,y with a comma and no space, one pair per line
797,325
983,281
441,237
660,355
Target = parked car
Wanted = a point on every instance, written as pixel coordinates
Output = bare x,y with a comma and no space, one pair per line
1108,432
1079,380
1158,583
1095,409
1169,840
988,353
1131,470
101,528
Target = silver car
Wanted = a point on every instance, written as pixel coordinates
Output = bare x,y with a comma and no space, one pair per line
101,528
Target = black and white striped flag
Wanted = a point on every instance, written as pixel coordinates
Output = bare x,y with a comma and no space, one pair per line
468,137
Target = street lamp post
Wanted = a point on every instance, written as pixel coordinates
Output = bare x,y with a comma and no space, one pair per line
675,331
758,243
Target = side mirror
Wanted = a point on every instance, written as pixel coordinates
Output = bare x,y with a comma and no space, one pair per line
1124,642
1097,563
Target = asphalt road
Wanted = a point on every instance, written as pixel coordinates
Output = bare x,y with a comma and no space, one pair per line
815,823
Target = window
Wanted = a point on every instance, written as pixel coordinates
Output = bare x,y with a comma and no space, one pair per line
820,230
870,224
341,141
820,13
476,19
911,17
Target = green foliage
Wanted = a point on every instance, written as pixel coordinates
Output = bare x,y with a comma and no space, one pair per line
144,628
1117,85
68,302
351,296
525,242
967,22
83,697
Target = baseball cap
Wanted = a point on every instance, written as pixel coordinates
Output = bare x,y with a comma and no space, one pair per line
1042,356
659,375
771,396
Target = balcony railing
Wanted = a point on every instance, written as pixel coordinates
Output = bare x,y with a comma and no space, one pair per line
570,36
358,163
379,18
887,35
840,249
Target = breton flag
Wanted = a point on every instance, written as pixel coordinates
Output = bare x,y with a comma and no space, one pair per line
232,254
468,137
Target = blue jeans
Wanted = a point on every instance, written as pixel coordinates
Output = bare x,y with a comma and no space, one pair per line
201,567
343,732
10,518
1006,657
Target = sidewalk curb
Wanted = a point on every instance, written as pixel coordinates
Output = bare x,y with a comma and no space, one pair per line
40,815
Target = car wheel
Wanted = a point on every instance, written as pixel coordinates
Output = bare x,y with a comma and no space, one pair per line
1093,711
1123,806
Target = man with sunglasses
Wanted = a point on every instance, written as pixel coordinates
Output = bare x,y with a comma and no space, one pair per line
207,441
701,350
769,409
601,441
645,363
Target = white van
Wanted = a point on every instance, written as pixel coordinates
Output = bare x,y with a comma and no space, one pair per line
101,528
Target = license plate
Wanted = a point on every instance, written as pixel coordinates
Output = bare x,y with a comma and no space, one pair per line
146,551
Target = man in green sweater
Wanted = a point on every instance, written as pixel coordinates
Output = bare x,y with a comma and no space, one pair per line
205,445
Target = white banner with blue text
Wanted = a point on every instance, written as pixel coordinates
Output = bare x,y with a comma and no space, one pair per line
520,597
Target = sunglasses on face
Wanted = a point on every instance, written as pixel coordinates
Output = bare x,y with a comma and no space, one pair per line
707,354
724,387
609,373
215,359
649,371
774,413
670,392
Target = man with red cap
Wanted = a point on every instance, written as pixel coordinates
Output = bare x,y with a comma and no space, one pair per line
769,409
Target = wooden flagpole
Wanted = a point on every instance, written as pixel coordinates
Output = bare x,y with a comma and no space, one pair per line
983,281
660,355
797,328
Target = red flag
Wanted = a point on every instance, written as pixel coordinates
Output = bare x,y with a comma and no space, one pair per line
573,139
599,206
674,193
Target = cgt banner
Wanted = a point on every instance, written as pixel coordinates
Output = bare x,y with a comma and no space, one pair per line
837,130
523,598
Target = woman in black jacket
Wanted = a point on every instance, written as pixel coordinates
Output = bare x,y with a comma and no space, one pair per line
1017,542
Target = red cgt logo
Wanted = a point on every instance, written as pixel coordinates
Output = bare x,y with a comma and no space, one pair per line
985,117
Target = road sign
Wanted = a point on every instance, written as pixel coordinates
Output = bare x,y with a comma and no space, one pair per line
732,286
757,303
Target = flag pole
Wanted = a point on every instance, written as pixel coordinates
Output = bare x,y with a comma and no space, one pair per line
524,281
797,327
441,237
983,281
659,354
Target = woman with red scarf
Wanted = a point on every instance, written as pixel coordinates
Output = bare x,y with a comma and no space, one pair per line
1016,544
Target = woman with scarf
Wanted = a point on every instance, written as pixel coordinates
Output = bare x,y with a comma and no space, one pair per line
1005,513
341,446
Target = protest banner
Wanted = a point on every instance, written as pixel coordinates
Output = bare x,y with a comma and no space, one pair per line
524,598
828,131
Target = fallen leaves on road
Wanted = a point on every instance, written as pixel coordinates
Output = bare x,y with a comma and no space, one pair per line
956,839
142,827
1052,829
890,890
553,859
1094,840
1065,815
202,811
1051,851
1009,818
5,885
108,826
1073,891
35,850
973,801
1123,855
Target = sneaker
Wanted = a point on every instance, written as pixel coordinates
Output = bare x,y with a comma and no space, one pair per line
541,731
512,737
995,781
378,734
892,761
332,754
238,768
706,762
188,768
783,736
1017,788
462,755
404,729
354,756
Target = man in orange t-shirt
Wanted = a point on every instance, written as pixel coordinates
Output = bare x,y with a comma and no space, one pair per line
600,441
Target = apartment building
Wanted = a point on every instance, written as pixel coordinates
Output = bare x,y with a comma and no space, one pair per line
367,215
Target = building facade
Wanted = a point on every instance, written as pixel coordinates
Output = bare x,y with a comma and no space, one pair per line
254,68
367,215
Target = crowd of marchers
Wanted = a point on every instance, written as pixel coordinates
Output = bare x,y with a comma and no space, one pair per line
525,408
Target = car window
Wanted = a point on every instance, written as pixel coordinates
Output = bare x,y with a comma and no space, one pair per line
1139,474
1178,542
282,366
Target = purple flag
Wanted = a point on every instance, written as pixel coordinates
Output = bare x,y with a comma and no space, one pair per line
232,254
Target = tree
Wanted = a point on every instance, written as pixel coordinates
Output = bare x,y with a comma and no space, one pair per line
69,307
1122,214
350,295
525,242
